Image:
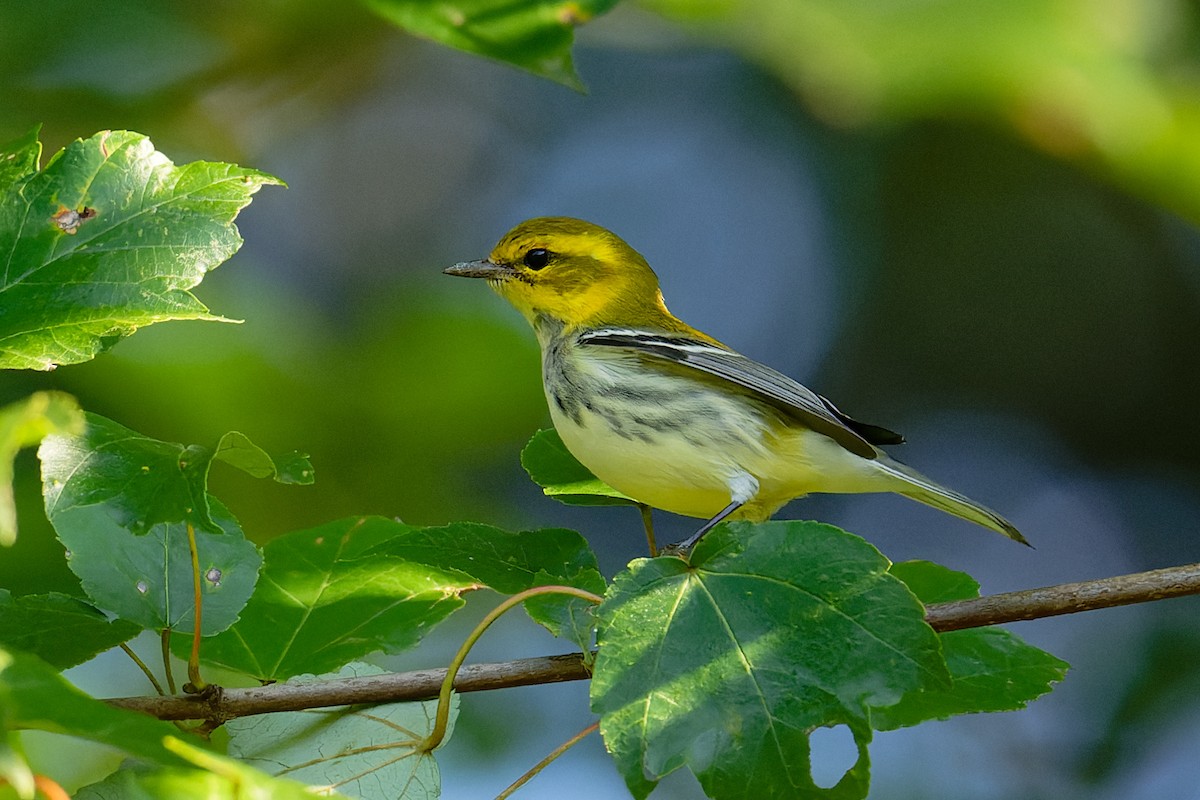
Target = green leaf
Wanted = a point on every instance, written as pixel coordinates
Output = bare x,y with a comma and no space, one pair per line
535,35
24,424
148,579
561,476
218,778
18,158
140,481
122,504
727,664
320,604
513,562
933,583
61,630
377,753
335,593
107,238
35,696
237,450
992,669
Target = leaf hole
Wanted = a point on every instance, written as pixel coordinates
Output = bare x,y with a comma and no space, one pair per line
832,751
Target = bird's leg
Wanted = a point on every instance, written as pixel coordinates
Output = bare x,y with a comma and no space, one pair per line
684,547
648,524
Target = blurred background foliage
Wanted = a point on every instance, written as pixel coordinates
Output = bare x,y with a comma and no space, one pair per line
974,222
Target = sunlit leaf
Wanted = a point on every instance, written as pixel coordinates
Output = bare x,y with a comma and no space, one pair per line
562,477
535,35
63,631
513,562
726,665
991,669
107,238
25,424
320,604
377,753
335,593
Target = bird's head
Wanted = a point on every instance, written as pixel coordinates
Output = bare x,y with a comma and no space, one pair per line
572,272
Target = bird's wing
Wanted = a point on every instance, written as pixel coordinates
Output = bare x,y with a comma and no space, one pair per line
774,387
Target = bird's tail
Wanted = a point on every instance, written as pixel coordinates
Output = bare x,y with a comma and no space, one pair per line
917,487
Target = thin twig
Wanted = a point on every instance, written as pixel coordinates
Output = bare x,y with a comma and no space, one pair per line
223,704
142,666
545,762
166,657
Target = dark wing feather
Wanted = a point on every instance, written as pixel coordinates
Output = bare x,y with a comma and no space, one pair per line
875,434
774,387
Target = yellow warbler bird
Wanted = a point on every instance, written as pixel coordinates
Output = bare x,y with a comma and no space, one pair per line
668,415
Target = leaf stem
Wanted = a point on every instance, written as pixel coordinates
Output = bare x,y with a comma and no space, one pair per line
166,657
194,679
442,719
545,762
50,788
142,666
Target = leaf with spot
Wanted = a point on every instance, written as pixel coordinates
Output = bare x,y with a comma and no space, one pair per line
535,35
108,237
340,591
321,604
378,751
148,580
122,504
991,669
62,630
24,424
727,665
561,476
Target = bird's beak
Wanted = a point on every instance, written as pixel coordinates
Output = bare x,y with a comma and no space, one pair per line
479,269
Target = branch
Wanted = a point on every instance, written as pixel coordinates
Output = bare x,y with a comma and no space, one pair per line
224,704
219,705
1066,598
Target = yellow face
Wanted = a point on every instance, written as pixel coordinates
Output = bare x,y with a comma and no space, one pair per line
568,270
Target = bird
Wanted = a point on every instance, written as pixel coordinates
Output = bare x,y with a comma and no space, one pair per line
670,416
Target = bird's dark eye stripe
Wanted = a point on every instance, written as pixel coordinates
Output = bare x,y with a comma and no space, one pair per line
537,258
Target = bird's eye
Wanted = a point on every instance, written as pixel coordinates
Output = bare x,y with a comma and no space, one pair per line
537,258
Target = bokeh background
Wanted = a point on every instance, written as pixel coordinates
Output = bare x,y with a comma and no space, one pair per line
973,222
